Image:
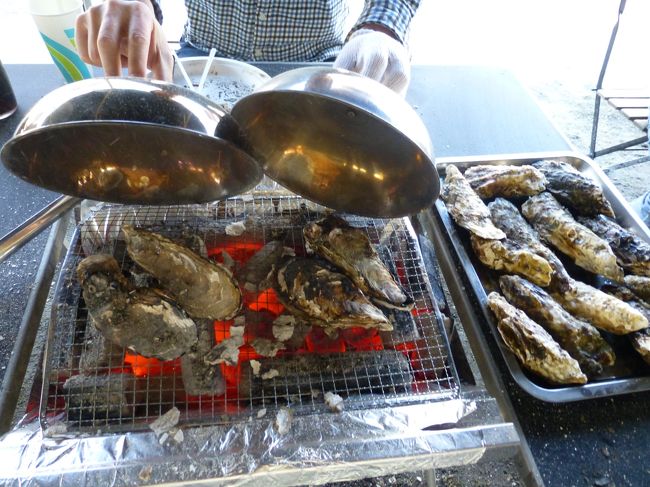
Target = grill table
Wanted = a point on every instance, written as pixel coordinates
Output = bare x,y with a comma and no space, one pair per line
391,440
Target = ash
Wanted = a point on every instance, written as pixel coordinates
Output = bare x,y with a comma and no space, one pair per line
226,91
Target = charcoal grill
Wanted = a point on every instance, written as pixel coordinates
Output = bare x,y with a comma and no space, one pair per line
412,398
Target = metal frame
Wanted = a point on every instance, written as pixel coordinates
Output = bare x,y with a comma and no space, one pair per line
593,153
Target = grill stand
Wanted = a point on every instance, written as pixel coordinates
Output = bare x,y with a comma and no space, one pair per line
319,448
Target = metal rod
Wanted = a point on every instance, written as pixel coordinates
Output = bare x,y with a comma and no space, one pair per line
34,225
17,366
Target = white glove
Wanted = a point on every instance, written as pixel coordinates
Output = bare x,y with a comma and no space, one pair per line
377,56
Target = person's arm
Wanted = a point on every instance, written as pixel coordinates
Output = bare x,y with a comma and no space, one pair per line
375,45
119,33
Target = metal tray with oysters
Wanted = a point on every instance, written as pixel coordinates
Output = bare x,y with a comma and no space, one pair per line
558,264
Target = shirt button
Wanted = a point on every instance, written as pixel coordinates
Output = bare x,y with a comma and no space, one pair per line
258,53
262,16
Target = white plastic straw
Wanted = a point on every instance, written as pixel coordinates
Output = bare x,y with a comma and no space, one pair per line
206,69
188,81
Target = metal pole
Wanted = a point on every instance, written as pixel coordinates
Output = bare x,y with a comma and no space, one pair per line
17,366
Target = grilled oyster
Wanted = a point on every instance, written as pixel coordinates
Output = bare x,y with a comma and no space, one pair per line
632,252
640,340
533,346
317,293
465,206
203,288
509,256
556,225
600,309
581,340
639,285
140,319
506,217
576,191
350,249
508,181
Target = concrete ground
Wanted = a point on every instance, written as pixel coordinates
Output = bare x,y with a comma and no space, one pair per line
555,47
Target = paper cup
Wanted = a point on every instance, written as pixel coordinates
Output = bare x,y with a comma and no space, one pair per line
55,20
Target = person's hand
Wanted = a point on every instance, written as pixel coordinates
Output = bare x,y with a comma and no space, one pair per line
122,33
378,56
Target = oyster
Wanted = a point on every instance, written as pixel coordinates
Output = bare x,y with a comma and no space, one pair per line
581,340
465,206
507,217
312,290
639,285
203,288
350,249
640,340
139,319
509,256
600,309
576,191
532,345
632,252
508,181
556,225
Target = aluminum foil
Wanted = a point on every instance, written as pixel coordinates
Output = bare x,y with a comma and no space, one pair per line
313,449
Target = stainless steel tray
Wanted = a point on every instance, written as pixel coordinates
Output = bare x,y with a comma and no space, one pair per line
630,374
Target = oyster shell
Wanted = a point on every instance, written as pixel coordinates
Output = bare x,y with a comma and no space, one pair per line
573,189
533,346
581,340
314,291
507,217
203,288
556,225
600,309
465,206
350,249
632,252
139,319
639,285
256,272
508,181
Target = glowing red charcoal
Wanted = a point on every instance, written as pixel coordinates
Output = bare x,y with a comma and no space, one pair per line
143,366
317,341
267,300
362,339
239,251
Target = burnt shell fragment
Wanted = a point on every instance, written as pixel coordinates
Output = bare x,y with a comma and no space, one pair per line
350,249
503,180
200,377
202,287
558,227
379,371
139,319
579,193
533,346
466,207
314,291
583,342
632,252
258,268
507,217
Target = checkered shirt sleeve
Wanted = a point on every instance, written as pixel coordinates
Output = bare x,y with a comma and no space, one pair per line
395,15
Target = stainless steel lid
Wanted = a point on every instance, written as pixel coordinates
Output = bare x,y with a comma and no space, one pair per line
128,140
342,140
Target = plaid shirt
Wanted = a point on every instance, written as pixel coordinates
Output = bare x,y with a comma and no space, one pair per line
286,30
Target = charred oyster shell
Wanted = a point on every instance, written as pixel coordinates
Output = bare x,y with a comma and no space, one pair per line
314,291
350,249
508,181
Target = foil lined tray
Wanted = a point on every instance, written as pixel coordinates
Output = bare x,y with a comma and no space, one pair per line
127,392
630,373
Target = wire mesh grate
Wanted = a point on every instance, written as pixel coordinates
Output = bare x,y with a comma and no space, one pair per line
92,384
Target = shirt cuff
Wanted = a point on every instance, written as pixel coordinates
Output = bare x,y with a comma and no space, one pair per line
395,15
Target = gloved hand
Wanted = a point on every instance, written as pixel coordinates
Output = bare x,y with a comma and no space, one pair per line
378,56
119,33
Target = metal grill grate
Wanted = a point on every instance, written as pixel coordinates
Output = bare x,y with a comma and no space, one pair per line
113,389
